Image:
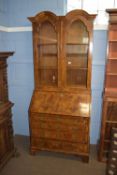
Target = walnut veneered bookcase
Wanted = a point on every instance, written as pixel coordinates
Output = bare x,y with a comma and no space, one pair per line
109,112
59,113
6,129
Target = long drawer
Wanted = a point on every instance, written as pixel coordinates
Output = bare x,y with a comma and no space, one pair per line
59,146
65,128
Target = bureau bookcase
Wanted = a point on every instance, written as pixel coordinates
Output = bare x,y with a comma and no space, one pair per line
59,112
109,112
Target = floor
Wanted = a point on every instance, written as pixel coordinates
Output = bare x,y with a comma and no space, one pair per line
48,163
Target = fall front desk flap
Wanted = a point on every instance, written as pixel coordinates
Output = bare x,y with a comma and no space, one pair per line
61,103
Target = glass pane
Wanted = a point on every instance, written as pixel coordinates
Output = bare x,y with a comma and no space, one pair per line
48,60
77,54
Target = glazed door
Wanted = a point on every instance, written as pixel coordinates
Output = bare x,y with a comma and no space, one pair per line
46,62
76,54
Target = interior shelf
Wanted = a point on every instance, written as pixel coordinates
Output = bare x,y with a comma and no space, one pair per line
84,44
47,67
44,44
50,54
77,54
77,68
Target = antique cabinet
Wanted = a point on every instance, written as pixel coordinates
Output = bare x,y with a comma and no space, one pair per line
6,130
6,133
109,112
59,112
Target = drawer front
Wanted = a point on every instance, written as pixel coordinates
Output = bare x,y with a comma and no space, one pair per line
59,146
108,129
66,128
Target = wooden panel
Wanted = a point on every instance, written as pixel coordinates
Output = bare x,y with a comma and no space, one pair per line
108,129
112,111
3,75
112,67
113,50
112,160
6,130
109,121
6,133
113,35
111,81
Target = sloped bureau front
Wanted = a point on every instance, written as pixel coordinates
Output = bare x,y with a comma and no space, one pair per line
62,126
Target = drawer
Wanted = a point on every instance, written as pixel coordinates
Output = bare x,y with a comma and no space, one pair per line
43,121
41,133
65,128
79,136
108,130
71,122
69,135
46,121
59,146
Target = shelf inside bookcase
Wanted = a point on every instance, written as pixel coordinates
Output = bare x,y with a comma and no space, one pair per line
47,44
76,49
76,43
49,54
77,61
47,67
47,50
76,68
77,54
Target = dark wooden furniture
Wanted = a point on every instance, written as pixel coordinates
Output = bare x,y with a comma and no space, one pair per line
6,129
112,159
109,112
59,113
